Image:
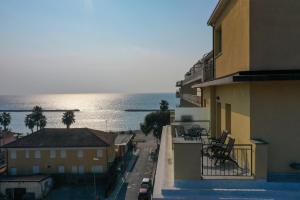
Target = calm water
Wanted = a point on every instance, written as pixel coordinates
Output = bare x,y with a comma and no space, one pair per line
98,111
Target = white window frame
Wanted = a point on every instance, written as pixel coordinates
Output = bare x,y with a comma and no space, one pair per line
97,169
74,169
63,153
13,154
27,154
52,153
80,169
61,169
99,153
13,171
35,169
37,154
80,153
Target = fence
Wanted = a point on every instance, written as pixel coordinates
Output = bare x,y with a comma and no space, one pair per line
238,162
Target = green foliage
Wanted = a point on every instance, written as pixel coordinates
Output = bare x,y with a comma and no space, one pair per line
5,120
164,105
29,122
154,122
36,118
68,118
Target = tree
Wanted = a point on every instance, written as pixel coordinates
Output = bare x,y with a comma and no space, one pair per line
5,120
68,118
155,122
29,122
164,105
37,115
42,122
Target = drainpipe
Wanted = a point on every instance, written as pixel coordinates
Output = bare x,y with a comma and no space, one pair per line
213,49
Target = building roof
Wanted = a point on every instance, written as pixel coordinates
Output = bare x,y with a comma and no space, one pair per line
59,137
123,139
217,12
34,178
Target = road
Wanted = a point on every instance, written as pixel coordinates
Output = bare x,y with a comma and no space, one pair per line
143,167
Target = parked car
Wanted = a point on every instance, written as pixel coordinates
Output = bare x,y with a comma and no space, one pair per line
145,189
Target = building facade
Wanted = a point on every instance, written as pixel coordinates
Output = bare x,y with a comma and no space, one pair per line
61,151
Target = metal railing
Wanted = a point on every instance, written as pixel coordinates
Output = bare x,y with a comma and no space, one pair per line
238,163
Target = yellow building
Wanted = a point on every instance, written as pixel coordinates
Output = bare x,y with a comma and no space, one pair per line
61,151
254,87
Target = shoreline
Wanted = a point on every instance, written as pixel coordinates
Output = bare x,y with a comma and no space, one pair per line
56,110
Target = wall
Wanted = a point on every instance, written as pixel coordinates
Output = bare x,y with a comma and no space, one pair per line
38,188
209,97
275,34
24,165
198,114
275,111
238,96
235,39
187,167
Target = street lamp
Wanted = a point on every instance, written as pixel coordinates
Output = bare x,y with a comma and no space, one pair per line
94,173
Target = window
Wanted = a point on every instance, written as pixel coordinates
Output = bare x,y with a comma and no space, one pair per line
27,154
13,154
61,169
97,169
81,169
35,169
52,153
218,40
80,153
63,154
99,153
37,154
13,171
74,169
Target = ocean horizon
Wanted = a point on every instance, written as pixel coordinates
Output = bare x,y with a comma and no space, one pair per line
102,111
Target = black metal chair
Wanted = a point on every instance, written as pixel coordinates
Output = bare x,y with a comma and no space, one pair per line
224,154
215,144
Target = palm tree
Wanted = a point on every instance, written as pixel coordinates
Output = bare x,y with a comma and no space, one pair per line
164,105
37,115
68,118
29,122
42,122
5,120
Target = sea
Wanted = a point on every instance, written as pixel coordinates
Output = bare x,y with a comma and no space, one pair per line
105,112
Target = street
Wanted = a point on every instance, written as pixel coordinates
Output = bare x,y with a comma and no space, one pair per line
143,168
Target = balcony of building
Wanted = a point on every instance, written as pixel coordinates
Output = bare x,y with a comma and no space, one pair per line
183,159
191,98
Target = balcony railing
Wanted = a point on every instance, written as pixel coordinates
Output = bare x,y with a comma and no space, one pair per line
208,72
238,162
194,99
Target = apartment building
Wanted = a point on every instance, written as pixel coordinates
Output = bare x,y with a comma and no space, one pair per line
61,151
252,90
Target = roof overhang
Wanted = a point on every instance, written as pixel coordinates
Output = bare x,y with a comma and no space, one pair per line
217,12
251,76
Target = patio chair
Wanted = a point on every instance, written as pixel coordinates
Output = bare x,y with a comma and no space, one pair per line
224,154
215,144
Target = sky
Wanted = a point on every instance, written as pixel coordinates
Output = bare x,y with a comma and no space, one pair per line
100,46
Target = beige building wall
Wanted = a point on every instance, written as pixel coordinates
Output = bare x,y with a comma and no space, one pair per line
238,96
50,165
209,99
187,167
234,23
275,34
275,115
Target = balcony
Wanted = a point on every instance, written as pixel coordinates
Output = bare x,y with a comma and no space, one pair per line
178,94
194,99
179,83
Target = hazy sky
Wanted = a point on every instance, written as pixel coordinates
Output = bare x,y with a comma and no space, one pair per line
73,46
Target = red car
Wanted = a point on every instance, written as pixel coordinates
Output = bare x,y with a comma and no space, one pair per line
145,189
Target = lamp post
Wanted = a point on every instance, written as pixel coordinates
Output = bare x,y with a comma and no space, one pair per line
94,173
